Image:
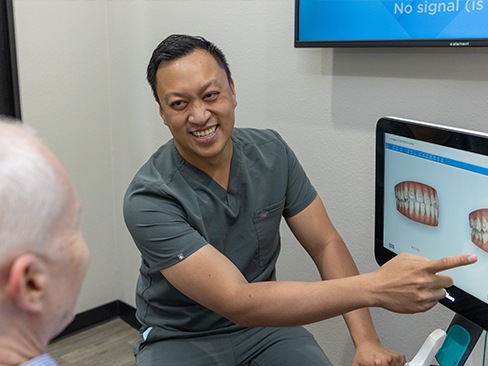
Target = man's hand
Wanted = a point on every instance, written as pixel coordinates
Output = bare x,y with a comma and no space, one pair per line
373,354
409,283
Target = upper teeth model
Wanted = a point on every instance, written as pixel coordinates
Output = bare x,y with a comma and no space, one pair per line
418,202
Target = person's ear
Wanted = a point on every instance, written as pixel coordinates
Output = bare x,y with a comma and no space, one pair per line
26,283
233,91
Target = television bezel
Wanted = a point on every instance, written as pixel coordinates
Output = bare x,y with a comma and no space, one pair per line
446,43
466,305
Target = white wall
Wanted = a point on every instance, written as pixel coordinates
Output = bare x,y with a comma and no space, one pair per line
82,74
64,86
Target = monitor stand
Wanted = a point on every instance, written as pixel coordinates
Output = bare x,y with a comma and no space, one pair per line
461,338
460,346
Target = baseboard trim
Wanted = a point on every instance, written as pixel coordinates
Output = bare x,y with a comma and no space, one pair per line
101,314
128,314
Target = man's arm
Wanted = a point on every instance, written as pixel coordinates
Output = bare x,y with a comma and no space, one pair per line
212,280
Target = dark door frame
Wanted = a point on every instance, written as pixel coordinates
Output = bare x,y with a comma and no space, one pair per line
9,84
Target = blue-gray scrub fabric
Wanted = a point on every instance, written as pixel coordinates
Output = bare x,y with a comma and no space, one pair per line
172,209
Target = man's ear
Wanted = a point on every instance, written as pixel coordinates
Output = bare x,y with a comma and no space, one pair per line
26,282
233,91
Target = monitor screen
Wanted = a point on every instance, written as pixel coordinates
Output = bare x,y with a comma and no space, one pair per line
432,200
377,23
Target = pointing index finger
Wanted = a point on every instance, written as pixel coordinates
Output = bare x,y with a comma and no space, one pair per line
442,264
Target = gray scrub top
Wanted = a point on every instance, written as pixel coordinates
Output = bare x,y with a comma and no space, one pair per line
172,209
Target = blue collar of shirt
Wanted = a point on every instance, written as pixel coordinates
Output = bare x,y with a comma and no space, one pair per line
42,360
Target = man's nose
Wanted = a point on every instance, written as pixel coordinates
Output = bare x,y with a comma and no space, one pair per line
199,114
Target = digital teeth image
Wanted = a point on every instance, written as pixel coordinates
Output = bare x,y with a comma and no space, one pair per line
478,222
418,202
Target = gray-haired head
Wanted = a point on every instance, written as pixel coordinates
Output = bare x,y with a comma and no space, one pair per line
31,194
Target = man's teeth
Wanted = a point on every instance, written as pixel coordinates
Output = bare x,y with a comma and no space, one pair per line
208,132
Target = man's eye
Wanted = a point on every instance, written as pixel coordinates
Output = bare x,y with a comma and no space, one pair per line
211,96
179,104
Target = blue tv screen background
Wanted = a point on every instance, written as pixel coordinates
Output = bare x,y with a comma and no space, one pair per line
389,20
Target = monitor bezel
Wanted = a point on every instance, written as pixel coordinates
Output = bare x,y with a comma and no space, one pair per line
434,43
466,304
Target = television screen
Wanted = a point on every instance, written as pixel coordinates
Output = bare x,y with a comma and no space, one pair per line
432,200
380,23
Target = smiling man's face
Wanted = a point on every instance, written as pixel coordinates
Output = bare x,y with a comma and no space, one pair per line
197,103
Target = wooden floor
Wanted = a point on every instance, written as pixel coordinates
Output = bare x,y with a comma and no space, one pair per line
106,344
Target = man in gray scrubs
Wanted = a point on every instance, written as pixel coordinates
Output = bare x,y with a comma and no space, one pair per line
205,212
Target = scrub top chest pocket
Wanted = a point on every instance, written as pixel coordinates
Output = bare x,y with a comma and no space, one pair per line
267,225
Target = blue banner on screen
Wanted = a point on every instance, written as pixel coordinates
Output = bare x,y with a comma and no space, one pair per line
383,20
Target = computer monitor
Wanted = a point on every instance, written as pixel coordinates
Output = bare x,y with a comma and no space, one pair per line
432,200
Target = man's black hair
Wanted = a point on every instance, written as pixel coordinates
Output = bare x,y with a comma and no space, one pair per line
177,46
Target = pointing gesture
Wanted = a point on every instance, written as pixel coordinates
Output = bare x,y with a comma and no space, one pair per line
409,283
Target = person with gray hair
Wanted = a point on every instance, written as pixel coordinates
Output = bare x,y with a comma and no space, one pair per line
43,256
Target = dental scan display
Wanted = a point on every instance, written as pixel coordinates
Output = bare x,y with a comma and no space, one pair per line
432,200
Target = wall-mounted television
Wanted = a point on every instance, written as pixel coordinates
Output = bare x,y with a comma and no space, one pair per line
391,23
